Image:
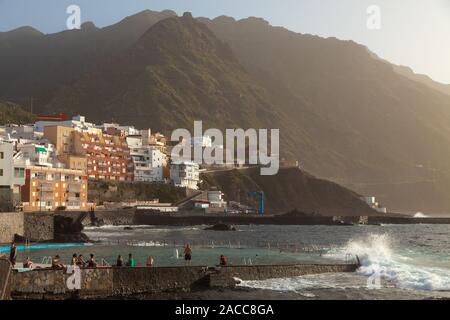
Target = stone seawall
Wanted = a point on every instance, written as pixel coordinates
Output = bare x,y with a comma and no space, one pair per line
38,226
34,226
150,218
11,223
128,282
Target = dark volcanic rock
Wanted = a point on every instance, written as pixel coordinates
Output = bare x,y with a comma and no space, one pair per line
221,227
19,239
69,230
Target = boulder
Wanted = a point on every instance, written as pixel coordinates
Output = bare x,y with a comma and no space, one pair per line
221,227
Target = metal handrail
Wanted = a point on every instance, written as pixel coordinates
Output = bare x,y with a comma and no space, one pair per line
5,285
47,260
105,263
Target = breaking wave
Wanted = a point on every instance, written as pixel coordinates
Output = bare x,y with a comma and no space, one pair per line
420,215
377,255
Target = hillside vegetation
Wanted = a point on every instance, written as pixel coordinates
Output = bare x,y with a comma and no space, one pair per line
12,113
289,190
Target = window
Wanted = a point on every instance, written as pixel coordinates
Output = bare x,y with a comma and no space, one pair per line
2,155
1,172
19,172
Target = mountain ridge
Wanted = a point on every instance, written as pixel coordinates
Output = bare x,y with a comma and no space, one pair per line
345,113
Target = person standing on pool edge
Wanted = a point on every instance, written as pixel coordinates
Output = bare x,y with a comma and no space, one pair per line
13,254
188,255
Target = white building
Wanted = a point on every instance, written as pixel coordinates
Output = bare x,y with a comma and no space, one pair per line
372,202
203,141
77,122
185,174
148,161
215,198
127,130
25,132
39,155
21,134
12,176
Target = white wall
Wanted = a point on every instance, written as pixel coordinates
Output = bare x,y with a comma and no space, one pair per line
6,164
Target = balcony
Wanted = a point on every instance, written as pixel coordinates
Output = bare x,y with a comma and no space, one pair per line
46,187
74,188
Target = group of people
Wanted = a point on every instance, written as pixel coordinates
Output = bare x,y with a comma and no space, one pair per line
27,263
131,262
78,260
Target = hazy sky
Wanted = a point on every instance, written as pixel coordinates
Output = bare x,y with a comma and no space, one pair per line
415,33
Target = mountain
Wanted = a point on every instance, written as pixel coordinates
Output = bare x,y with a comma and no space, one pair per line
34,64
343,112
177,72
291,189
426,80
397,128
12,113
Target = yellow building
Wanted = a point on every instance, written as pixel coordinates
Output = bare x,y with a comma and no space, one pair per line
74,162
61,137
63,140
47,189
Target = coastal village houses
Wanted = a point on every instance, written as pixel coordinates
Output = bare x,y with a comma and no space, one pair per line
12,176
185,174
148,159
47,165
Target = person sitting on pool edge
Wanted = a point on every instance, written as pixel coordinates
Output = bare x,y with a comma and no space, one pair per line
130,262
74,260
28,264
119,262
56,263
92,263
80,261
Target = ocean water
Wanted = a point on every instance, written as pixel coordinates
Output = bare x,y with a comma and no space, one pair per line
397,261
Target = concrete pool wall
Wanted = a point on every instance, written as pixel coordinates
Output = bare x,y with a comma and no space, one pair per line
102,283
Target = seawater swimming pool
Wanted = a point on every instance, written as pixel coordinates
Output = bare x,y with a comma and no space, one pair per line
166,246
416,257
164,255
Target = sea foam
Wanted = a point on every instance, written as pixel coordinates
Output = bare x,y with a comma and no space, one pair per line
376,254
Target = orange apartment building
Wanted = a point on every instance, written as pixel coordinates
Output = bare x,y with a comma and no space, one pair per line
108,156
101,156
47,189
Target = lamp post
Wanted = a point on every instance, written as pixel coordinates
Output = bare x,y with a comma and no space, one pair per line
40,196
